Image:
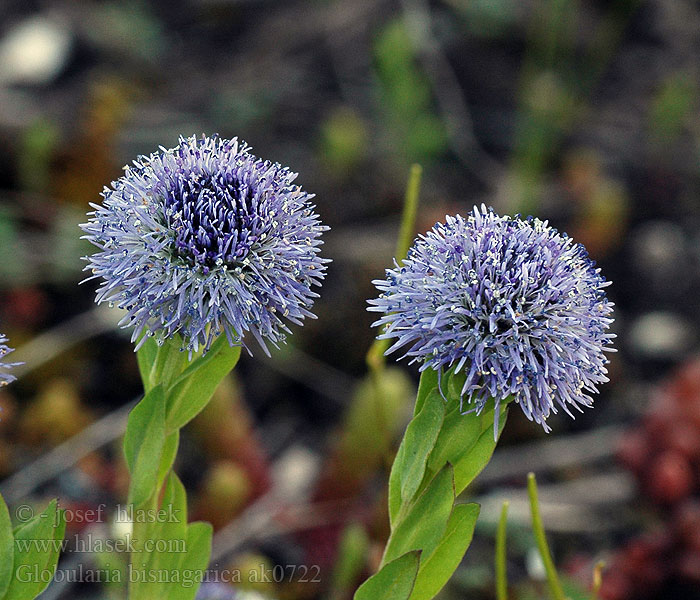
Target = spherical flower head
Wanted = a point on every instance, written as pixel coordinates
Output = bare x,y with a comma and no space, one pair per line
206,238
512,305
5,377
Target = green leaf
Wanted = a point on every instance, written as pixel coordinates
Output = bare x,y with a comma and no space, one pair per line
196,560
183,550
37,548
394,581
436,569
469,466
167,458
466,441
7,549
59,532
418,441
421,525
161,364
428,382
174,529
192,390
171,534
458,435
169,362
116,564
146,357
143,444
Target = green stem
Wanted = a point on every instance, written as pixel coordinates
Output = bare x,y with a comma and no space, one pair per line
538,529
177,388
501,575
410,210
375,356
441,453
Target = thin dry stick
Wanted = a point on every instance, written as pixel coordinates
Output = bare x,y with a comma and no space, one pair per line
54,342
64,456
269,516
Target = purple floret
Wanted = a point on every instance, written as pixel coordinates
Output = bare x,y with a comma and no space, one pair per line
511,304
206,238
5,378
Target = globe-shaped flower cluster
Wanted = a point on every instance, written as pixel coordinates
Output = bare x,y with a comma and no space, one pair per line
206,238
511,304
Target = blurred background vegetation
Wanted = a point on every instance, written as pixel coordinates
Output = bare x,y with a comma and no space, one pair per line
583,112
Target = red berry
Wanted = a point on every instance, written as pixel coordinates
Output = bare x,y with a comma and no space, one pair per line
686,440
689,566
659,425
633,450
669,478
687,523
616,586
686,385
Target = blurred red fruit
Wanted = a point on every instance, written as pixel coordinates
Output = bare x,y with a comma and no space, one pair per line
686,385
635,556
686,440
687,524
27,307
661,540
669,478
658,426
616,586
633,450
641,561
689,566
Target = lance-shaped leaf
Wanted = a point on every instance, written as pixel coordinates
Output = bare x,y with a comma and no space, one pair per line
195,560
429,380
409,466
167,458
421,525
146,358
466,441
194,387
143,444
436,568
169,533
37,548
161,364
182,551
394,581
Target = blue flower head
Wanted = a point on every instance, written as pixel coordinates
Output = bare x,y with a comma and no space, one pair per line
514,306
207,238
5,378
